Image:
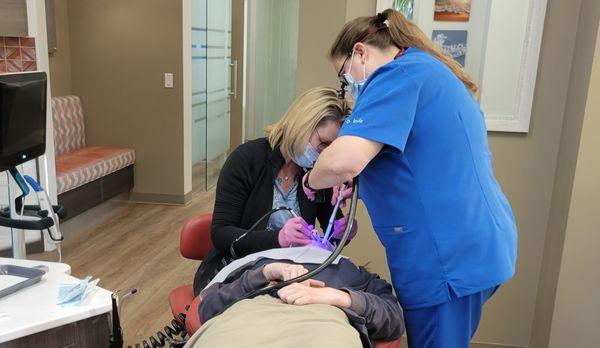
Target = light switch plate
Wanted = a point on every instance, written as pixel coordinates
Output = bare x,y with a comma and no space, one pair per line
168,80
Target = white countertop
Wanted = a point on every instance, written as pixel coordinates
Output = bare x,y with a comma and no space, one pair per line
34,309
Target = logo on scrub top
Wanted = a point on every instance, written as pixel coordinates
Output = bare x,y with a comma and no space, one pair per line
354,120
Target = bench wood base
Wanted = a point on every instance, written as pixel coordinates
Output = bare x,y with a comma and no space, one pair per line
87,196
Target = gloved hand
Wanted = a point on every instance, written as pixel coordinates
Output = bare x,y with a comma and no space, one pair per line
307,191
345,195
339,226
295,232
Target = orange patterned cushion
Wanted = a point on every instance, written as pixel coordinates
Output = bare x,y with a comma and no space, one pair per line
88,164
69,131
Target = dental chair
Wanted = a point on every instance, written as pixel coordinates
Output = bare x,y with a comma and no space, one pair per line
194,244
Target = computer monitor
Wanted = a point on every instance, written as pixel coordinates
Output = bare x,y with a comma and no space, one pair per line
22,118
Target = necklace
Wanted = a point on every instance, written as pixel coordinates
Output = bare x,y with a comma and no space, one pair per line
291,173
282,179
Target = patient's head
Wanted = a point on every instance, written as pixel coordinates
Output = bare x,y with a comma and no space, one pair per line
314,118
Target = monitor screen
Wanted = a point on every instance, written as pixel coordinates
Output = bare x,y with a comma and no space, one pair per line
22,118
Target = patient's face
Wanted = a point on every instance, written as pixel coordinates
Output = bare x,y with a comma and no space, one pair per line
324,135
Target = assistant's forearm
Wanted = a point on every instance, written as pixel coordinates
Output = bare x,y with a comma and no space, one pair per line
344,159
328,172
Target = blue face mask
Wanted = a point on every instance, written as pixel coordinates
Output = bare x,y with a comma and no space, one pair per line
355,87
308,158
73,294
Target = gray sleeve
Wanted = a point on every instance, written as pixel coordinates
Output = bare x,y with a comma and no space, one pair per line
217,297
380,309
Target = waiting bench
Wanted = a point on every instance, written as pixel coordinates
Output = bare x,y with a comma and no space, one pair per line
85,175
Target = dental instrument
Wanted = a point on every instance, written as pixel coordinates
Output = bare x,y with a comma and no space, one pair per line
332,217
314,233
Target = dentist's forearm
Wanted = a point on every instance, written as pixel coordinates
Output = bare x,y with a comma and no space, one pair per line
344,159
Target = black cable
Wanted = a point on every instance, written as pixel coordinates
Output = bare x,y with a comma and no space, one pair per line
269,213
167,335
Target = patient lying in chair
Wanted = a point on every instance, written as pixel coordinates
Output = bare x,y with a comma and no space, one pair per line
343,306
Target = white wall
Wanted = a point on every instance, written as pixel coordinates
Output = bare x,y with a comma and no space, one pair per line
576,317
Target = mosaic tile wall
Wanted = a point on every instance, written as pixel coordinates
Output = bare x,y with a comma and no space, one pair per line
17,54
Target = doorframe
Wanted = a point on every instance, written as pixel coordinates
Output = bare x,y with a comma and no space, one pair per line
236,107
186,82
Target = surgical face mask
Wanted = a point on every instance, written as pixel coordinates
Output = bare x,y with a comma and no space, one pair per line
354,87
73,294
308,158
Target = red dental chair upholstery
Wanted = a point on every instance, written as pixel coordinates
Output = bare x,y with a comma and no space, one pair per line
194,243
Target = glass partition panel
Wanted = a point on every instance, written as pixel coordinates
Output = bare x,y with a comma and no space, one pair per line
211,55
218,59
271,59
199,95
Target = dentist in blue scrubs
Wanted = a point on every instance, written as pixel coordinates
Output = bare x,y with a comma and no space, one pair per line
417,140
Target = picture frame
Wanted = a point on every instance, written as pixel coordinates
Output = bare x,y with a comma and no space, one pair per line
452,10
454,42
504,40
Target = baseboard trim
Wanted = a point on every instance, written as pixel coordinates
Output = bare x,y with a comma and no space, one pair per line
473,344
493,345
158,198
188,197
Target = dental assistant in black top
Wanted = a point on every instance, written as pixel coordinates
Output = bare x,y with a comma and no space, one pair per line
265,173
417,140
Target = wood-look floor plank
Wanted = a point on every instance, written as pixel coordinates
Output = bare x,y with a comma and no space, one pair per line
130,245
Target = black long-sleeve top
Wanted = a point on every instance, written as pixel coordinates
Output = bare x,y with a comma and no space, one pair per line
244,193
374,313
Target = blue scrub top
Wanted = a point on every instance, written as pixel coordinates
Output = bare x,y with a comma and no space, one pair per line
431,192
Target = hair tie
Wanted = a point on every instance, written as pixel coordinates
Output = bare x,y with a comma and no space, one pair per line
381,17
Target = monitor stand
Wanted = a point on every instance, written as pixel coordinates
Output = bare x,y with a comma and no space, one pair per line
19,217
17,190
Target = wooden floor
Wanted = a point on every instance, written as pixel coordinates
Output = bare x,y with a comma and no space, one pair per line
132,245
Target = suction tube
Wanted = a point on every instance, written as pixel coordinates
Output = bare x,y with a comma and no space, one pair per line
336,252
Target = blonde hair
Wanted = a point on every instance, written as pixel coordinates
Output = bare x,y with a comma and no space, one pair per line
310,110
399,32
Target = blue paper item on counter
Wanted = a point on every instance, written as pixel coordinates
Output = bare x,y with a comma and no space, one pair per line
73,294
